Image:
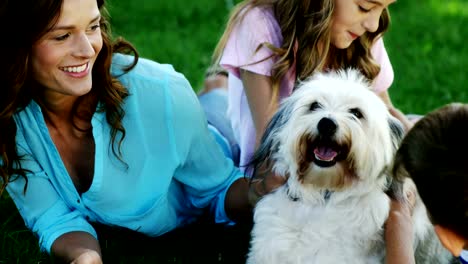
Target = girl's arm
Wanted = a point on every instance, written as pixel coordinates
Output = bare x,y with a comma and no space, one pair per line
395,112
258,89
259,94
77,248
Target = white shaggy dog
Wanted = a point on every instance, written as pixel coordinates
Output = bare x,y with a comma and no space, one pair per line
335,139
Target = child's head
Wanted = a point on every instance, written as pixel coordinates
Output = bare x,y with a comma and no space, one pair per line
434,154
319,34
332,33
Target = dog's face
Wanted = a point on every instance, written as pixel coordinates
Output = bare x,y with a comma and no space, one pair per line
332,132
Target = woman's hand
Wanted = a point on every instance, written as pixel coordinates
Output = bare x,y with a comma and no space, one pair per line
264,184
88,257
78,248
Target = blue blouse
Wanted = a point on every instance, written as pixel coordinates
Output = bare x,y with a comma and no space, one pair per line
175,167
464,257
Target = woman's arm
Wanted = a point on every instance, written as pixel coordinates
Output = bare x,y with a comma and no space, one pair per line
237,204
48,205
77,248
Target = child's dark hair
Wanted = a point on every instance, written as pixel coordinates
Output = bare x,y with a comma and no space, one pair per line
434,154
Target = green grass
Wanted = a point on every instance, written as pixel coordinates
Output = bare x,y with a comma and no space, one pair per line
182,33
17,244
426,44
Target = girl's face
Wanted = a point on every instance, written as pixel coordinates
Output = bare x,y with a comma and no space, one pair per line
62,60
353,18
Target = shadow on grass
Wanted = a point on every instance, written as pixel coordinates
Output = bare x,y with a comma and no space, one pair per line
17,243
202,242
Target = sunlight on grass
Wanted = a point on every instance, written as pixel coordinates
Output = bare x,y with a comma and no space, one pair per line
450,8
426,45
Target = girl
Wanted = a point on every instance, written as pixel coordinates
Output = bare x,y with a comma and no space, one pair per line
268,45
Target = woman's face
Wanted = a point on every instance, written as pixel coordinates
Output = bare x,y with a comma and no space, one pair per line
353,18
62,60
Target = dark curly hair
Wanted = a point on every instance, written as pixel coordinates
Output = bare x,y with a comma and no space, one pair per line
17,84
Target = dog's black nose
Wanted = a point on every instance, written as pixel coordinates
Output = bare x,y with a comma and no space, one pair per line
327,126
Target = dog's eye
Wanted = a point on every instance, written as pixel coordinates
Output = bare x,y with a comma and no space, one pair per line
356,112
314,106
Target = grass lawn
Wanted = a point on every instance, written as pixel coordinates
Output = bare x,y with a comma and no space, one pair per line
428,49
426,44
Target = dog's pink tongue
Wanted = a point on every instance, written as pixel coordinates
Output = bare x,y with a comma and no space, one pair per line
324,153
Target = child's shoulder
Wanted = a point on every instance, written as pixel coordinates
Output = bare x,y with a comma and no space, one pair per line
257,14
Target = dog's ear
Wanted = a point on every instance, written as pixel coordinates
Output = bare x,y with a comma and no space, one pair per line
397,131
395,189
269,144
398,172
396,181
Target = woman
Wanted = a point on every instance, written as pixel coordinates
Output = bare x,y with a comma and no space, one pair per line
90,134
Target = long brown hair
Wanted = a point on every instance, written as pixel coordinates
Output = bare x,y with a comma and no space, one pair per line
308,22
16,81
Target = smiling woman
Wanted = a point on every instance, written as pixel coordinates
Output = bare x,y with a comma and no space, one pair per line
94,135
63,59
62,62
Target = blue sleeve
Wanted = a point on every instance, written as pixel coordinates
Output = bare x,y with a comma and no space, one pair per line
43,210
206,172
464,257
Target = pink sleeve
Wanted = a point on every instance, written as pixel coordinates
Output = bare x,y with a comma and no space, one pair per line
385,77
258,26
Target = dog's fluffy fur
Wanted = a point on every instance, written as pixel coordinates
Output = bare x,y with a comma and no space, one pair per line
335,139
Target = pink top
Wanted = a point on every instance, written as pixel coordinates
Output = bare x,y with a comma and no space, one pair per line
259,26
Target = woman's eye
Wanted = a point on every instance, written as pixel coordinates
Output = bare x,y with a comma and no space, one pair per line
62,37
356,112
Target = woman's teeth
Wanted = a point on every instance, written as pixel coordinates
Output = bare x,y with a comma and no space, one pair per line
75,69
